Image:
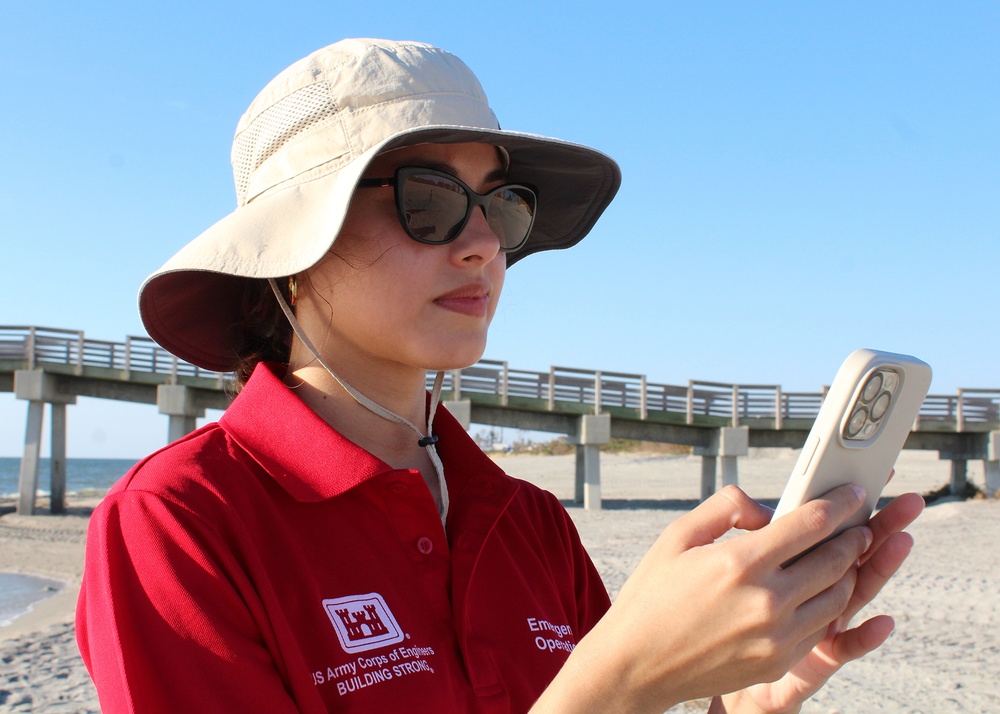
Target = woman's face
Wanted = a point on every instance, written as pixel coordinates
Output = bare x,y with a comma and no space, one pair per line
380,300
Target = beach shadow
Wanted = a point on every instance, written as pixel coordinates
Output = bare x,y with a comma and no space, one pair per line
81,511
73,511
671,504
772,503
638,504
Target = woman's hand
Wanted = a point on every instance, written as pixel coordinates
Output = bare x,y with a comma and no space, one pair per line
888,551
701,616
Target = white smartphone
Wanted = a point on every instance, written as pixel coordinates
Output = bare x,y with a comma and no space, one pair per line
860,430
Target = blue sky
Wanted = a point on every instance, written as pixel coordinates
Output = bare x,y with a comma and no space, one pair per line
800,179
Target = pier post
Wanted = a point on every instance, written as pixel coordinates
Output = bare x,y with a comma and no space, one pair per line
959,470
27,483
960,462
592,430
959,476
727,444
462,411
709,464
57,501
991,466
178,402
39,388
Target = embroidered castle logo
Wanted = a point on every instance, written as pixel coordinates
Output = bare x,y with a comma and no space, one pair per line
363,622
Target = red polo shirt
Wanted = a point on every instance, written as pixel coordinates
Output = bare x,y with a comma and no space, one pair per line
267,564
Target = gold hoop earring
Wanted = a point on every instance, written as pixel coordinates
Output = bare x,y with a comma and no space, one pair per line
293,290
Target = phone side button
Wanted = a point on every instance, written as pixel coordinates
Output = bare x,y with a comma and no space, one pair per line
808,452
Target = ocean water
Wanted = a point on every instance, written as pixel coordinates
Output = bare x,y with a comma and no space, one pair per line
82,475
19,593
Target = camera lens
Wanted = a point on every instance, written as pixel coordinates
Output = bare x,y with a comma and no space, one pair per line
872,388
858,419
881,406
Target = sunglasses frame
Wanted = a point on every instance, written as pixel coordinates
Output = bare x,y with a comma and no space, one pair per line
473,199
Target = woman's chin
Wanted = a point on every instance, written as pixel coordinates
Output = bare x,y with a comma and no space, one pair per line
456,359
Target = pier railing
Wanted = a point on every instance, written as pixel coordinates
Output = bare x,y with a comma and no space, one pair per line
46,345
563,389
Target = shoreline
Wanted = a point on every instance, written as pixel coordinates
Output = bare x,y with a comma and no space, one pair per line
50,547
943,657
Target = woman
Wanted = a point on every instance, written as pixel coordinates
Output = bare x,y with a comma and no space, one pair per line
337,542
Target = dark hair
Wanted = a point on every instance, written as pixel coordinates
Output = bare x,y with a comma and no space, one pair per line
264,335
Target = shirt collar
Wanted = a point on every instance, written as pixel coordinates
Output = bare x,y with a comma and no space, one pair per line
313,462
304,454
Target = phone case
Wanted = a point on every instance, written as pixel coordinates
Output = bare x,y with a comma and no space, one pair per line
860,430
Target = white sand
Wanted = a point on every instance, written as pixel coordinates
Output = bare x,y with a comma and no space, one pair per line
40,666
943,657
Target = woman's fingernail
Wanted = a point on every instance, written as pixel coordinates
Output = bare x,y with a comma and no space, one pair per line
858,491
869,537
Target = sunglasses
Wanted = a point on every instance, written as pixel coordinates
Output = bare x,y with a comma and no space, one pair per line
433,207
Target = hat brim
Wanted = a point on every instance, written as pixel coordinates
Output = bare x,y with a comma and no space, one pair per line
192,306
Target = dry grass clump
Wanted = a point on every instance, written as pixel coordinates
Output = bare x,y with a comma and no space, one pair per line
970,492
560,446
630,446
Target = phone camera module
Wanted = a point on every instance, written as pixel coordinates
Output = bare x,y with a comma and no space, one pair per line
872,405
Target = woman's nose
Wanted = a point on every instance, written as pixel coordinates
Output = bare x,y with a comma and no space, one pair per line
477,241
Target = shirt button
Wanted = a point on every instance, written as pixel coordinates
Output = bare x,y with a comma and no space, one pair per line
425,545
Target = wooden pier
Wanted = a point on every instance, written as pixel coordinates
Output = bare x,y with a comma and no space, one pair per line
721,421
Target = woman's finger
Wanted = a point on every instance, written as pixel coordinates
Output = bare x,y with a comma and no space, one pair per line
876,572
727,509
892,519
810,524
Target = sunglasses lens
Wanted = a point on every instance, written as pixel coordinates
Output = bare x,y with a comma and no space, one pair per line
434,206
509,213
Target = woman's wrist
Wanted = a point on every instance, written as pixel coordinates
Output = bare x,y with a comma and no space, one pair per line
584,684
601,676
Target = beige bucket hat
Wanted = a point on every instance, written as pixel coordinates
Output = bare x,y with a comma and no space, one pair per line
298,153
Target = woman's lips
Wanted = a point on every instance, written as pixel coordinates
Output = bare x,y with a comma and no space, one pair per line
470,300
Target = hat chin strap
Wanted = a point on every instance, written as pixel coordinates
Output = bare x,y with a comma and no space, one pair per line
427,441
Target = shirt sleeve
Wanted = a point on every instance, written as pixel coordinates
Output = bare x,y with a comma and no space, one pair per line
167,620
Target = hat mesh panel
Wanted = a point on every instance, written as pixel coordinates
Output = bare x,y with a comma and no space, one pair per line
274,127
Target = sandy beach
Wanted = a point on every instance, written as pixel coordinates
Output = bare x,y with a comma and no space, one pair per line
943,657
